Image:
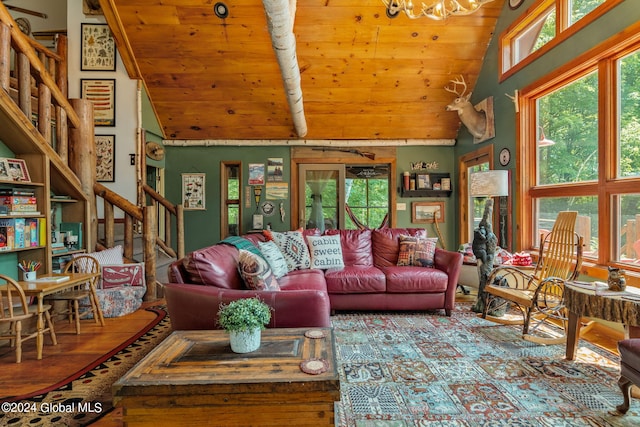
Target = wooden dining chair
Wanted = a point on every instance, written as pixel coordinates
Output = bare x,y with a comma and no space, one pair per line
14,310
78,296
539,294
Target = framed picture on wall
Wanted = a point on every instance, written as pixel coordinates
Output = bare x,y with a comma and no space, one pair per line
193,191
98,50
427,212
105,158
102,94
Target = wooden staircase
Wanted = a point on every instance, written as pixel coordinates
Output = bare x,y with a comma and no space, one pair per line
35,109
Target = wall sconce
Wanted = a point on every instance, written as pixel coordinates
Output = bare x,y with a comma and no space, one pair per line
543,141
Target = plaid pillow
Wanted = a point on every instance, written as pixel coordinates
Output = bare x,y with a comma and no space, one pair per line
424,251
407,250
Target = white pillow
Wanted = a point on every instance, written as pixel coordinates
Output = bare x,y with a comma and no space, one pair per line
108,256
274,257
325,251
293,248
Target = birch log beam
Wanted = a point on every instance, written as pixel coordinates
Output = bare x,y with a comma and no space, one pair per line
280,22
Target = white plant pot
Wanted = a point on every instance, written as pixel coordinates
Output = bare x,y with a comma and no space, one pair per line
245,341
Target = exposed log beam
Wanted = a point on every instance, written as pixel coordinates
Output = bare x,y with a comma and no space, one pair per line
280,22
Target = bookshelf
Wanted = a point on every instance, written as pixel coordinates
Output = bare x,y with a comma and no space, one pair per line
54,185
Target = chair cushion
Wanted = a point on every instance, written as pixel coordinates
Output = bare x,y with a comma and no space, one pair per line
108,256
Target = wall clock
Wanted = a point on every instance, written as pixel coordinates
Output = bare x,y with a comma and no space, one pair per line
505,156
514,4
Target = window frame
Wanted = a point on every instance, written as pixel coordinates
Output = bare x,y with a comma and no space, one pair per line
603,59
509,37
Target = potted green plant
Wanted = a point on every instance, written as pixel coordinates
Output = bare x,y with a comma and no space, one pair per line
244,319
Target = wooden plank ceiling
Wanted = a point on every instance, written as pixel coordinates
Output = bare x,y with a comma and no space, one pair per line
363,75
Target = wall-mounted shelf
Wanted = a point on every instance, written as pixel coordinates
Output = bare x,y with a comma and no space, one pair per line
428,181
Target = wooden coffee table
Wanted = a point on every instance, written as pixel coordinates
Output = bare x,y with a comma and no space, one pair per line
193,378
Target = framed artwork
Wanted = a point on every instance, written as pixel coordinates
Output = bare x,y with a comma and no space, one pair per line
256,173
193,191
423,182
427,212
4,170
105,158
98,50
275,169
18,170
102,93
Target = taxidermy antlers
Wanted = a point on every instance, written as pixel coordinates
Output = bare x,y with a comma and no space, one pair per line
474,120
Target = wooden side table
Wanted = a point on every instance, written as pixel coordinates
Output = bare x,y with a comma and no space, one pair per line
587,300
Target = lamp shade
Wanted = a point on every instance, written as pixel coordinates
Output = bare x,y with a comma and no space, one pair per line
489,183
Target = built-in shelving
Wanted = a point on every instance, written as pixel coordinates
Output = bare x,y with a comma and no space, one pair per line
426,185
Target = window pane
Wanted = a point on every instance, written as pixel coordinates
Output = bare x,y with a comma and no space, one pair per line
586,224
569,118
536,35
629,234
367,194
629,119
579,8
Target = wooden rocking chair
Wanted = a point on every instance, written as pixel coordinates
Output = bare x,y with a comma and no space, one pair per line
539,294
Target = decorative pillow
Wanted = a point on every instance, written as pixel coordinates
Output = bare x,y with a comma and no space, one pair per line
407,250
325,251
111,256
255,272
425,251
122,275
274,257
293,248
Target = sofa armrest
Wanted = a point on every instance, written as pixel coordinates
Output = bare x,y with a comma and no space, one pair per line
450,263
196,306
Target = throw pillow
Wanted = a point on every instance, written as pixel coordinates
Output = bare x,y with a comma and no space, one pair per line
122,275
407,250
425,251
108,256
325,251
274,257
255,272
293,248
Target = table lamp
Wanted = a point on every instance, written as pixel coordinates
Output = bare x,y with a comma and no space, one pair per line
487,184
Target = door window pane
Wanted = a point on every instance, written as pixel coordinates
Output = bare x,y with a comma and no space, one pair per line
629,118
367,195
586,224
569,118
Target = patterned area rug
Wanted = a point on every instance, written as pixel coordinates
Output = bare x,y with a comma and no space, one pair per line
401,370
85,397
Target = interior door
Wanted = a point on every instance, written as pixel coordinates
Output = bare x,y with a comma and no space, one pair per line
321,187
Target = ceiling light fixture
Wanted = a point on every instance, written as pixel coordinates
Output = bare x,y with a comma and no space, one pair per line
437,10
221,10
543,141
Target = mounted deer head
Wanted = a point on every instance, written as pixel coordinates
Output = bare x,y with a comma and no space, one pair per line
474,120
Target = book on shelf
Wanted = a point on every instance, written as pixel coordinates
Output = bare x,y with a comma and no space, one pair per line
52,279
18,230
24,213
17,192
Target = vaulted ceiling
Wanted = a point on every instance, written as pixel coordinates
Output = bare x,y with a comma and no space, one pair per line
363,75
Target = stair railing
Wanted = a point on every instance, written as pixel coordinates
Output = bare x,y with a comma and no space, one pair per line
165,209
133,217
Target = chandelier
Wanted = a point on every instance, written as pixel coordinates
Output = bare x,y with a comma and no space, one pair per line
438,9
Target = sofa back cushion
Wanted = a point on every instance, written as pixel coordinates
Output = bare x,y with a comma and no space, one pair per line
215,265
386,245
356,247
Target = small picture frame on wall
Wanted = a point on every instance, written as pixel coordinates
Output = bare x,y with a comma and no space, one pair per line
105,158
193,191
98,50
427,212
423,182
102,94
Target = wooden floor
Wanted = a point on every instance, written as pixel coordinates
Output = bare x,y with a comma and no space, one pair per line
79,350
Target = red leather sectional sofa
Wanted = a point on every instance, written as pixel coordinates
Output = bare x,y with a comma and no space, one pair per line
370,280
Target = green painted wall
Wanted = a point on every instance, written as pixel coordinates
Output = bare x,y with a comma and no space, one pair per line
202,227
608,25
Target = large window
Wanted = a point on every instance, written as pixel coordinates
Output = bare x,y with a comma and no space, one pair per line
367,195
582,153
548,23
